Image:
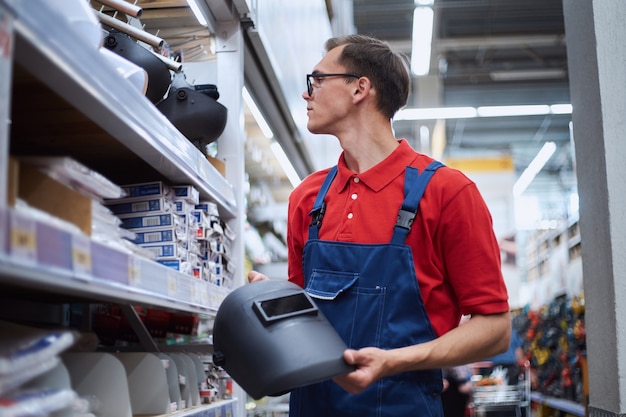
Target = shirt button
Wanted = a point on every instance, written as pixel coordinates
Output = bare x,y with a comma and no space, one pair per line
356,179
353,196
350,215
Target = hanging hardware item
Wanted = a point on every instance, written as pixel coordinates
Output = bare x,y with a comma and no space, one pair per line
158,73
136,33
194,111
123,6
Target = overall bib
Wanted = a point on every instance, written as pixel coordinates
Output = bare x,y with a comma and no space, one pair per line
370,294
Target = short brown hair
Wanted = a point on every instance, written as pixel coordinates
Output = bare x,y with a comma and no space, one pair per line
374,59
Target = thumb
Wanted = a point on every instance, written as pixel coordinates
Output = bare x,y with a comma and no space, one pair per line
349,355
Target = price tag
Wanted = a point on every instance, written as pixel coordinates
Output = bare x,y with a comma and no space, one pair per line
172,285
204,294
193,296
214,299
134,271
23,246
81,255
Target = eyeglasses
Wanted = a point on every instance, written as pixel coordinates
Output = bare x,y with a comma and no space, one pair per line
311,77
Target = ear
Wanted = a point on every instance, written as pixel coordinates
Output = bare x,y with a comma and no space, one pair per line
362,89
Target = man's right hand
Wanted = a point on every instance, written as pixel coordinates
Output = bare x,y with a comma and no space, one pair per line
254,276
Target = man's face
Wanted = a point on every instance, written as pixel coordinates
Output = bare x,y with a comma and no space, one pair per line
331,98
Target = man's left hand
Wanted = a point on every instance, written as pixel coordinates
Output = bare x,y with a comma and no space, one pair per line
370,366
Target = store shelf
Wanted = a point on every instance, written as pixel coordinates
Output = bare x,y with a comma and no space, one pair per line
222,408
64,98
81,75
50,259
559,404
552,260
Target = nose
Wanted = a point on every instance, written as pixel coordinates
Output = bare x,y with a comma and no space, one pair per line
305,95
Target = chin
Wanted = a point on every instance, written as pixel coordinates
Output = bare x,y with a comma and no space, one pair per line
311,128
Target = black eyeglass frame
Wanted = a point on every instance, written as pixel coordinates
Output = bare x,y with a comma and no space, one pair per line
309,84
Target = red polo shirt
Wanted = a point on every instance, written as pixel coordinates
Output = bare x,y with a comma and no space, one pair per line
456,255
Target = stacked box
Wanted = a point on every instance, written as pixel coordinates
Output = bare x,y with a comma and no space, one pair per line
215,241
186,193
186,199
149,211
182,232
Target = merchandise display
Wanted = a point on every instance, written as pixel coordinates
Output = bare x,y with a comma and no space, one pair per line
555,344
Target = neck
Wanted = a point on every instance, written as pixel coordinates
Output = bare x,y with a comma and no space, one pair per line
367,145
363,155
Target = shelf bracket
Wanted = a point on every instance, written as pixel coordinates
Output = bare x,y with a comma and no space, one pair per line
145,340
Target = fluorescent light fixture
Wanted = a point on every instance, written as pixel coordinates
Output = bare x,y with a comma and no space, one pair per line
285,163
536,165
500,111
437,113
256,113
540,74
195,8
422,40
561,109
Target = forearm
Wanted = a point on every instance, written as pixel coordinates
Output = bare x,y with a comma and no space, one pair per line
479,338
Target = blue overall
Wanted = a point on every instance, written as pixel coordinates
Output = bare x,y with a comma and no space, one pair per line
370,294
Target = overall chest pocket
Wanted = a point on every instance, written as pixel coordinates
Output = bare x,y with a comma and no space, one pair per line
355,310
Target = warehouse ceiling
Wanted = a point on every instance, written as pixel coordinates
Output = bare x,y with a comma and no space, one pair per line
489,53
484,53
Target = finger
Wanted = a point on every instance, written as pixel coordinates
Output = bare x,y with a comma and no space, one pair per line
254,276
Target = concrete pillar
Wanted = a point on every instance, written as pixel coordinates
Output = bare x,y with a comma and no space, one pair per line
596,39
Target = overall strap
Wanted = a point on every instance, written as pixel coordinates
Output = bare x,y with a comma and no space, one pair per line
319,207
414,187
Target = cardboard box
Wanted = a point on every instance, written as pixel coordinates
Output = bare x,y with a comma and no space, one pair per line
218,164
146,190
49,195
123,207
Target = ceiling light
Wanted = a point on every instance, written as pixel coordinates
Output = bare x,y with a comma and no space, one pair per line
436,113
540,74
422,39
499,111
561,109
536,165
285,163
256,113
195,8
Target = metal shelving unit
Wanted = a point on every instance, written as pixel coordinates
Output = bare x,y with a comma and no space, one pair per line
35,37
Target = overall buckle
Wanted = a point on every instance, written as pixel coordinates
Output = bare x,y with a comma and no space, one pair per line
317,215
405,219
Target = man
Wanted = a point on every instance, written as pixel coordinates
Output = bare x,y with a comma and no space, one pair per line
393,283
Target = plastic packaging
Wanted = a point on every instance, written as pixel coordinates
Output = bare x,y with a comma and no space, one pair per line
27,352
35,402
76,175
